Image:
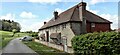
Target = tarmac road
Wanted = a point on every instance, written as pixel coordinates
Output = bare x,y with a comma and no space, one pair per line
16,47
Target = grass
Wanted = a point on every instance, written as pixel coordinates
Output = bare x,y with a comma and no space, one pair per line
6,36
42,49
5,42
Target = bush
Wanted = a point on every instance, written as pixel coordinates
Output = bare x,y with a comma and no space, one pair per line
97,43
34,34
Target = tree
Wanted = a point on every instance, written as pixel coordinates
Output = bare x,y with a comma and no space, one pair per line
0,25
15,25
14,31
8,25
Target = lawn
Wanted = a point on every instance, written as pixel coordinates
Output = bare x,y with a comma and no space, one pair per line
5,42
42,49
6,36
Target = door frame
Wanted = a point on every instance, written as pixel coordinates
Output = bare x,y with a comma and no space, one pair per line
47,36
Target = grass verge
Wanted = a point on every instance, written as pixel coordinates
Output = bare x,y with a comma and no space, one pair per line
5,42
6,36
42,49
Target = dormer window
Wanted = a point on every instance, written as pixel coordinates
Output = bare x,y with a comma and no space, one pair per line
92,24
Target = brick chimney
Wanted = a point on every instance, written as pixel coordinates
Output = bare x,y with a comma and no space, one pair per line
55,14
82,13
45,23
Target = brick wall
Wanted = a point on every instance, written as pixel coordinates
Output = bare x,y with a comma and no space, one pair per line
98,27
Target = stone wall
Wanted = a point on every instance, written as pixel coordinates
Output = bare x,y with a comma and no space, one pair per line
64,29
76,27
59,47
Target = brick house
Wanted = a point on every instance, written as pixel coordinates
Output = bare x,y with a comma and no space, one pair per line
117,30
74,21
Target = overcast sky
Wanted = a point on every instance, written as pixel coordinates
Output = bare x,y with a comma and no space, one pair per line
32,13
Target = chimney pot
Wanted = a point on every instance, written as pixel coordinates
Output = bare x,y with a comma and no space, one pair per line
82,4
45,23
55,14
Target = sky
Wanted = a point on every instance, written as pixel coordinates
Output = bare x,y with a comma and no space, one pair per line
31,14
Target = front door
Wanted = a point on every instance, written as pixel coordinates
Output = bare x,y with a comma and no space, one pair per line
47,35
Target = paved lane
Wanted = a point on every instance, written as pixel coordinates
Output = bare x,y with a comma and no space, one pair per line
17,47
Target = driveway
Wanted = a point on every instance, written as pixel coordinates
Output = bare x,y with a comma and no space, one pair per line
16,47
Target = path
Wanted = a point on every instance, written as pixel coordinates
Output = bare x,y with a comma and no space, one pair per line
16,47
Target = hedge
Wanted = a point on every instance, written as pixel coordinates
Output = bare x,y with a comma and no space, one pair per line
107,43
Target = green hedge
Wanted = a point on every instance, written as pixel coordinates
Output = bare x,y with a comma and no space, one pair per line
34,34
97,43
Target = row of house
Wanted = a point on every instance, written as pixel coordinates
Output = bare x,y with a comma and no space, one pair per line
74,21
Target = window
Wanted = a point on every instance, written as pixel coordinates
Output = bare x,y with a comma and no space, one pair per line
92,24
63,26
58,28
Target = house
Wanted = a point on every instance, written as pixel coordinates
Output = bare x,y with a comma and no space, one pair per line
117,30
74,21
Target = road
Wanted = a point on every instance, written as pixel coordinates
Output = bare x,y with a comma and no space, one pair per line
16,47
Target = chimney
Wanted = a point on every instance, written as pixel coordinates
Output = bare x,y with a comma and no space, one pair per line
45,23
55,14
82,13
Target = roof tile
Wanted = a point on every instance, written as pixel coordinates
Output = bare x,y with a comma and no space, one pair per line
72,14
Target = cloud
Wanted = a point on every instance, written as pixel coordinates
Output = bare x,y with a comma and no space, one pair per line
93,2
93,11
96,1
41,1
27,25
30,24
59,10
13,0
27,15
36,26
52,1
45,1
8,16
112,18
119,21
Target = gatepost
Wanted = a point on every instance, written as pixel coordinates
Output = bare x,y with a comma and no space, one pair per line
64,44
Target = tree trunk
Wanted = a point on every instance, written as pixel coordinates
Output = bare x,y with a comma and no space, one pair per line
13,34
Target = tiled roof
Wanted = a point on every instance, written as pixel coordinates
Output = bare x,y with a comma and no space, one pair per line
72,14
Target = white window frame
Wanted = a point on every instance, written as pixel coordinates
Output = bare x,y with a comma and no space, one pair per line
92,24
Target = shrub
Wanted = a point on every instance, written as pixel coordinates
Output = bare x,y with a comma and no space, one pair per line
34,34
97,43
